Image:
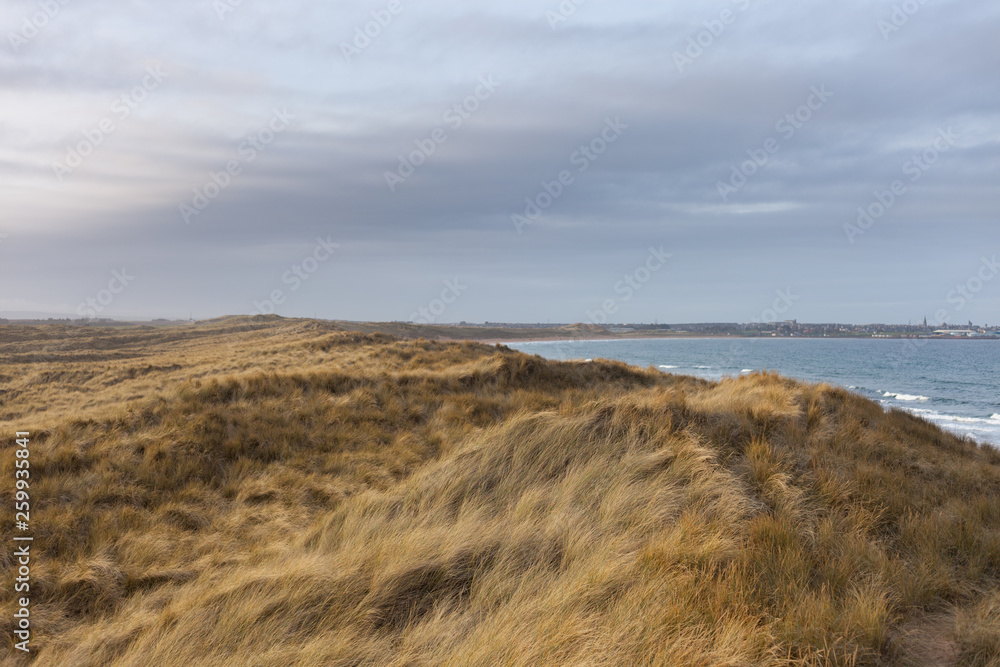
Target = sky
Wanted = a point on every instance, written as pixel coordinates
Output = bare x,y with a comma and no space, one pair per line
516,161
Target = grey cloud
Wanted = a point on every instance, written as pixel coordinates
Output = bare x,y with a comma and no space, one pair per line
657,184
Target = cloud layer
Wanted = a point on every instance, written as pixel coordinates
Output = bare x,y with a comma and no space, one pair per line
750,135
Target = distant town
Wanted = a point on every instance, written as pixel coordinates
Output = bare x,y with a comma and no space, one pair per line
788,328
785,329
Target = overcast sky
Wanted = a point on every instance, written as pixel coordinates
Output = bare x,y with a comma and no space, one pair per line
717,153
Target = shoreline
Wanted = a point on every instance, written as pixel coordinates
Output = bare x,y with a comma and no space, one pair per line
507,341
950,422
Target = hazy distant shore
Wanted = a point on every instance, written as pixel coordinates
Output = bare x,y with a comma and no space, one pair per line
499,333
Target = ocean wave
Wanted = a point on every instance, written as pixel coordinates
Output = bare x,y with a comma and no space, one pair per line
934,415
906,397
963,420
747,370
665,366
995,417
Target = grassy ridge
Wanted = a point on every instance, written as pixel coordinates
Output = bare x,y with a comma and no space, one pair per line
280,494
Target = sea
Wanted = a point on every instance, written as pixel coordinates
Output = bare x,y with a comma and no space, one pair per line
953,383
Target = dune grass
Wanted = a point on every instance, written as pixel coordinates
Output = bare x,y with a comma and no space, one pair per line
281,494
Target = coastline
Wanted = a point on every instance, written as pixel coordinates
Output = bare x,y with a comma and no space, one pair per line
982,425
505,341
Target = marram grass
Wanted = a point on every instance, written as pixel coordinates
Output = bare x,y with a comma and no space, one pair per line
275,493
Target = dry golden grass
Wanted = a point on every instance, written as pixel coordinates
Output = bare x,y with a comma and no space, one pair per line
279,493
